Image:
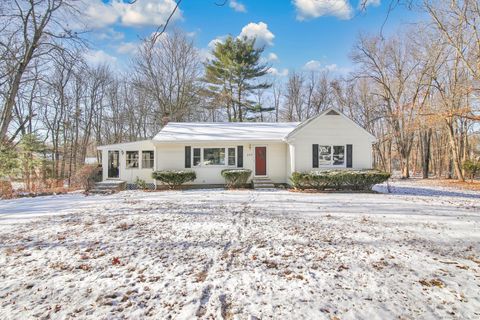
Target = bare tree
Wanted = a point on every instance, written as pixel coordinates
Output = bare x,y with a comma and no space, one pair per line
168,74
30,30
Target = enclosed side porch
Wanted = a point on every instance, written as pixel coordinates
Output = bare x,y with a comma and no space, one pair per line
129,162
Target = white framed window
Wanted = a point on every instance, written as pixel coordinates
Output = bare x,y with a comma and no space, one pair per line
324,155
131,160
147,159
197,158
232,159
214,156
338,156
331,155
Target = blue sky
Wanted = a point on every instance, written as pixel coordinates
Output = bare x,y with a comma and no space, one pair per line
297,34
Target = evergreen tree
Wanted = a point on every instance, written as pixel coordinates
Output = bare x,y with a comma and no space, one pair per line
232,75
9,164
31,157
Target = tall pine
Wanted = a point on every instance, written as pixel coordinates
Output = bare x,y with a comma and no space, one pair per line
233,74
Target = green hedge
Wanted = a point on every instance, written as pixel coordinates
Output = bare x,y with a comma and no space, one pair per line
338,179
235,178
173,178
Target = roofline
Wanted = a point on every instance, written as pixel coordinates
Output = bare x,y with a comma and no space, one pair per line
120,143
308,121
235,122
215,141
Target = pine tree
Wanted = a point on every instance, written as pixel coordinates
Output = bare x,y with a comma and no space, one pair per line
232,75
31,150
9,164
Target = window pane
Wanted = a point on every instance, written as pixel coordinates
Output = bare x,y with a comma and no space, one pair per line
231,156
196,156
132,159
324,155
338,155
214,156
147,159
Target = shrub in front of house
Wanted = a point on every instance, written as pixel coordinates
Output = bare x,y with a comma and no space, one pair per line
236,178
141,184
174,178
338,179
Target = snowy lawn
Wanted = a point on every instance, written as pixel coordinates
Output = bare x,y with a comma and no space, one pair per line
413,254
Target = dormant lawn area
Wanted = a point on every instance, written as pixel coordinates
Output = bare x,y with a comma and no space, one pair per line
413,254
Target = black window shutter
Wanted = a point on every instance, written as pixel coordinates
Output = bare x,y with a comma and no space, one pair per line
315,156
240,156
188,157
349,155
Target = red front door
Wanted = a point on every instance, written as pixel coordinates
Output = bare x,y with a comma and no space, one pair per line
260,161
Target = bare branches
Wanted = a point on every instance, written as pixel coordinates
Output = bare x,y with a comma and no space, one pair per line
161,28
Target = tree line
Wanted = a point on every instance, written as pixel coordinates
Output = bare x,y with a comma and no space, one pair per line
415,91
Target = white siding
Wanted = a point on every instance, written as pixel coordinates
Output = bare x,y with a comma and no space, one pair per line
331,130
172,157
129,175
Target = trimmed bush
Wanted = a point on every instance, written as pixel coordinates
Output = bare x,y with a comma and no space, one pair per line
338,179
472,168
236,178
172,178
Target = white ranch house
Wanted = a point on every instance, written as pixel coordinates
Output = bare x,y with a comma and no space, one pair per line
271,150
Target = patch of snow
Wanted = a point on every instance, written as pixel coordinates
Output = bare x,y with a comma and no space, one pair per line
414,253
228,131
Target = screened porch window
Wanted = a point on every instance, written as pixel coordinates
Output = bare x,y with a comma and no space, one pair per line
147,159
132,160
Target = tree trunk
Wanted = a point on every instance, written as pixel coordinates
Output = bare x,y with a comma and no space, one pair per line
425,139
456,162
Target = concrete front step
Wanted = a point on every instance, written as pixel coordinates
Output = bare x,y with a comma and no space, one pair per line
108,187
262,183
102,191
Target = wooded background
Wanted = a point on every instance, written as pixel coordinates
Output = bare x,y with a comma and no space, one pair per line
417,91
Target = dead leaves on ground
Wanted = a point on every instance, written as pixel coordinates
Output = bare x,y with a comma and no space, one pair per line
432,283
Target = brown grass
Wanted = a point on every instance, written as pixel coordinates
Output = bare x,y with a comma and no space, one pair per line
465,185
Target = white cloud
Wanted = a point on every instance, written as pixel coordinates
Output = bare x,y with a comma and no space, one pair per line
331,67
97,57
99,15
110,34
213,43
278,73
272,57
128,48
366,3
260,32
315,65
206,53
309,9
140,13
237,6
312,65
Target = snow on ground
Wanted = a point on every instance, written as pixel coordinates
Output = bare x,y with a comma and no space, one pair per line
412,254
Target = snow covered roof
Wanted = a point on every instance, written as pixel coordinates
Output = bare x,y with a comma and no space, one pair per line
224,131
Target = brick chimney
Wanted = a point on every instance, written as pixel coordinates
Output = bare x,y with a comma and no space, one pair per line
165,119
